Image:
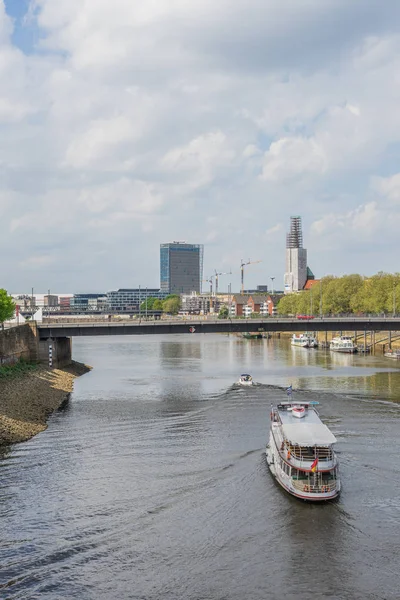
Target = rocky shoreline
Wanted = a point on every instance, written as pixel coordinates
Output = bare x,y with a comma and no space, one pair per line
27,400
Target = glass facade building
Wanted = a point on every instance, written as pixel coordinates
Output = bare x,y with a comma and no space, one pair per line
128,300
86,301
181,267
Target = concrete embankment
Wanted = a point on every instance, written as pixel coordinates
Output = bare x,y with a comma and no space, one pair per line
27,399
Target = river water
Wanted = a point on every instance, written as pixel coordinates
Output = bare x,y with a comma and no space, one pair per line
152,484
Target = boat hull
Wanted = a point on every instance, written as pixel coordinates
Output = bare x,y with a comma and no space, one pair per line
392,355
300,344
300,490
306,496
344,350
304,341
245,383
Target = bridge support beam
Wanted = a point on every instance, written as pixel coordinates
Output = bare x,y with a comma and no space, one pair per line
55,352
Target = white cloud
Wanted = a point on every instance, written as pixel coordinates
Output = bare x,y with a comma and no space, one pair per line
364,222
129,123
388,187
274,230
99,142
289,158
201,158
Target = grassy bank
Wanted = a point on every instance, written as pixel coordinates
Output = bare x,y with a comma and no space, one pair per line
20,368
29,394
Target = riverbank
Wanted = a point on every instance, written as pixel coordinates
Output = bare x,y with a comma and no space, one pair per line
381,346
28,398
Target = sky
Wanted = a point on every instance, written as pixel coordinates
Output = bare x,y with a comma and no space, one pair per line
127,124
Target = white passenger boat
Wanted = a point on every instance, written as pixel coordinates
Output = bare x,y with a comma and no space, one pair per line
343,343
393,354
300,452
245,379
304,340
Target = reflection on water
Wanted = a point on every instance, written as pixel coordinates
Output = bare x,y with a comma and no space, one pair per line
152,482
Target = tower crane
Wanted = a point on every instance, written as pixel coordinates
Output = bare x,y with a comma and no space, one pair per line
216,275
210,281
242,266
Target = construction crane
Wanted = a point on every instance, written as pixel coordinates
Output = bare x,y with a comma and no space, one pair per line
216,279
242,266
210,281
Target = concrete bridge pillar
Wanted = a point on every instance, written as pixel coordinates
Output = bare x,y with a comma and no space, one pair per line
55,352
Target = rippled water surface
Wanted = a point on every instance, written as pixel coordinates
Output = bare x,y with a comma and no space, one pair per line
152,483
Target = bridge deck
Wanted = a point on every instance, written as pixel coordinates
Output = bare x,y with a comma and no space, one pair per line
269,325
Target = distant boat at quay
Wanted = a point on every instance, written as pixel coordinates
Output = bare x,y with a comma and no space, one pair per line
304,340
393,354
343,343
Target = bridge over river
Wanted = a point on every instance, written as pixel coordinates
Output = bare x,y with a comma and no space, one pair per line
269,325
55,344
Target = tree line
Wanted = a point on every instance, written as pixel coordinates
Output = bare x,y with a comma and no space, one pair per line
350,294
171,304
7,307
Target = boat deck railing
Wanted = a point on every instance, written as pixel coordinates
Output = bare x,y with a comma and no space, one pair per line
303,485
303,453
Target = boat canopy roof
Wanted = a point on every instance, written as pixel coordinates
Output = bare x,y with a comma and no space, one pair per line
308,434
308,431
245,375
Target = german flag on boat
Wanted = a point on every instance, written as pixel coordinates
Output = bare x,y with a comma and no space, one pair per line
314,466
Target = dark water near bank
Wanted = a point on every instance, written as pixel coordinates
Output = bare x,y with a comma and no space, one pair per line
152,483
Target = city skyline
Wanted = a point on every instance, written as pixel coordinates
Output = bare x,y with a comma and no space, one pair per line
116,137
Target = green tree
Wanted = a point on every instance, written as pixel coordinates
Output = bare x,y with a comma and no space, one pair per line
223,312
7,307
172,304
158,304
150,304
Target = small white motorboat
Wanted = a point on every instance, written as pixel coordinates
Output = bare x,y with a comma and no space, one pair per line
245,379
298,411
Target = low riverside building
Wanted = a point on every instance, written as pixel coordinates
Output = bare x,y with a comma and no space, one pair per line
87,302
245,305
195,304
50,300
239,301
128,300
272,302
257,304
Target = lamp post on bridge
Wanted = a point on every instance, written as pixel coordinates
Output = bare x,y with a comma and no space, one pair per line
272,279
320,298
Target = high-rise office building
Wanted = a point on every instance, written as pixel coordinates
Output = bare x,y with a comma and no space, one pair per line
296,258
181,267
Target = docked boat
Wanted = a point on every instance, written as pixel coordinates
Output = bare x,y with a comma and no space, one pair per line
393,354
304,340
300,452
252,335
343,343
245,379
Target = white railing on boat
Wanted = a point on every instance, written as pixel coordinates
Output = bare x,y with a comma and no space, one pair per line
303,485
